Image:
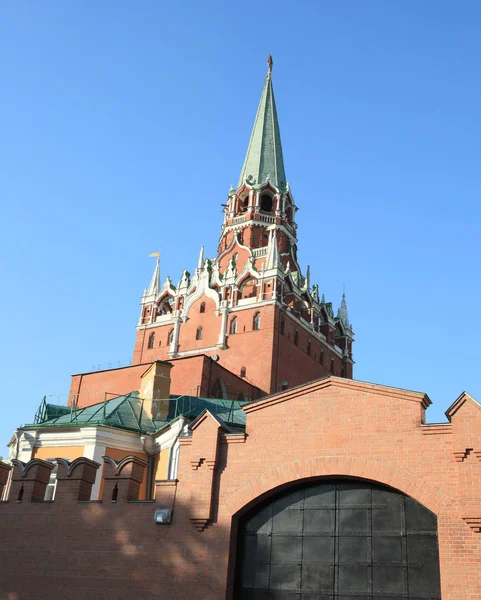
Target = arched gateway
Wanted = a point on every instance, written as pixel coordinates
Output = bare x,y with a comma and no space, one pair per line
338,539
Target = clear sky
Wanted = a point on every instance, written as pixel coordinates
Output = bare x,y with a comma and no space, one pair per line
123,125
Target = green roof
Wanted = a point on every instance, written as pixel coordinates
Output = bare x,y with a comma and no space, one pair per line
132,413
264,159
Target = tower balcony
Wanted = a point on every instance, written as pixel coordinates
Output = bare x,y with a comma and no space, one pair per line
259,252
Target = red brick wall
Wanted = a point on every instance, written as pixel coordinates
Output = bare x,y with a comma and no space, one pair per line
192,375
332,428
91,387
268,357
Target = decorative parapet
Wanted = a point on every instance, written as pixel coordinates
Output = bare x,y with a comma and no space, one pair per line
29,480
75,479
122,479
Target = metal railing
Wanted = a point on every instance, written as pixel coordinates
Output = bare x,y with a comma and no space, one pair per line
116,364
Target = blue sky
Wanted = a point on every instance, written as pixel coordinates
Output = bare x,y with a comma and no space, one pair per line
124,124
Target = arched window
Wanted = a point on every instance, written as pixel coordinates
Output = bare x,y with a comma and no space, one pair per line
248,289
202,308
256,323
198,333
233,325
296,337
321,357
150,345
243,372
170,337
284,385
266,203
245,202
165,306
332,366
309,347
219,390
343,371
282,326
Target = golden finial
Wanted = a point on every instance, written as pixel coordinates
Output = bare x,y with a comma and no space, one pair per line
270,62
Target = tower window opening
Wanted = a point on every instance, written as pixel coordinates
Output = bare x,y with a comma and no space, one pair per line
202,308
151,342
309,347
243,372
233,325
284,385
266,203
282,326
170,337
245,202
321,357
296,337
198,333
165,307
256,324
332,366
343,371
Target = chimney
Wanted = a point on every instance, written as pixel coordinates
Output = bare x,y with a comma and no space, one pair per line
155,387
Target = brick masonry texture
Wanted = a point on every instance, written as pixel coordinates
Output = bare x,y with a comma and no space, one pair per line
331,428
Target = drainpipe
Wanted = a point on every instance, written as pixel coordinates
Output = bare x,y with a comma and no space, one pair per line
150,473
147,445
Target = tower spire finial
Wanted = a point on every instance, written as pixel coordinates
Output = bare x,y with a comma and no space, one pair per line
270,63
264,162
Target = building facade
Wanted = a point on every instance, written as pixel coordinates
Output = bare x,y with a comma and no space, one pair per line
237,458
250,309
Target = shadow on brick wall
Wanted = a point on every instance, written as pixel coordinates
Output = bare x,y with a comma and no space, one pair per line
104,550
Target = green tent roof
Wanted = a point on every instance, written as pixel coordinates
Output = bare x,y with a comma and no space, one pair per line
132,413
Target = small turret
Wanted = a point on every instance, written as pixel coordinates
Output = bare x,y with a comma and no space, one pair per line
154,286
342,312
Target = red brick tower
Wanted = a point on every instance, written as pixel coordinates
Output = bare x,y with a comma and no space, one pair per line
250,308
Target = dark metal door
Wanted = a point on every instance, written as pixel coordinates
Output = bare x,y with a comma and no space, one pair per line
338,540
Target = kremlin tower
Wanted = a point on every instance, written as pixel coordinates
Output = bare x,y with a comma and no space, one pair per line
250,308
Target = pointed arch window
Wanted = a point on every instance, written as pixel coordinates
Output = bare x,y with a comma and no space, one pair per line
256,322
296,337
198,333
233,325
282,326
202,308
332,366
170,337
309,347
321,357
266,203
165,306
151,341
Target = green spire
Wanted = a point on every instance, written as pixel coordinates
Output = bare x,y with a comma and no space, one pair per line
264,155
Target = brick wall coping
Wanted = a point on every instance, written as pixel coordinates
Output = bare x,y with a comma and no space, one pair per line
338,466
458,403
331,381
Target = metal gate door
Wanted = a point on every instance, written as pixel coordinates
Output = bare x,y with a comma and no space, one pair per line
338,540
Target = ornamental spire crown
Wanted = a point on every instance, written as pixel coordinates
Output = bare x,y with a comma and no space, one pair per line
264,161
